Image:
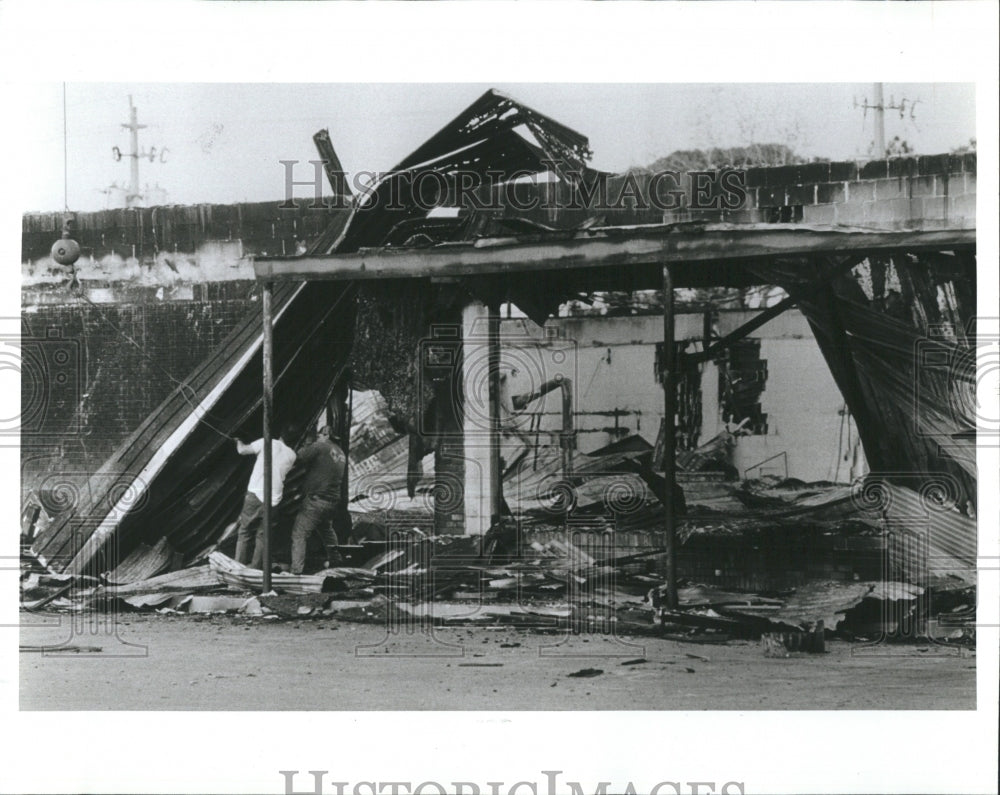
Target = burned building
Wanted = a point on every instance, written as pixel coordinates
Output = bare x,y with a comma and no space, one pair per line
495,210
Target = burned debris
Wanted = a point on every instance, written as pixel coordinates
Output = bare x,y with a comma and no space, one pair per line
470,500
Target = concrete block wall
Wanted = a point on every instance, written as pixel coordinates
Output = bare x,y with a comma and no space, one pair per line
931,192
143,233
106,368
927,191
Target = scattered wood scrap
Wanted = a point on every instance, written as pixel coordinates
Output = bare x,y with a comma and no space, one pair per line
585,673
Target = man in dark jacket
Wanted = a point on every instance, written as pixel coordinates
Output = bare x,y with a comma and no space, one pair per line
324,463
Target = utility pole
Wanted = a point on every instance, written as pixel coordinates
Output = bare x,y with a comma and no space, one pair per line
133,126
134,196
879,106
879,120
267,357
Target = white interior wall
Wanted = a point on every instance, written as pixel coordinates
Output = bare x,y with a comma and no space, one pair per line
611,361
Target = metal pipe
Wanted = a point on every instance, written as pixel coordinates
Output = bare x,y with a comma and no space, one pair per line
669,438
268,354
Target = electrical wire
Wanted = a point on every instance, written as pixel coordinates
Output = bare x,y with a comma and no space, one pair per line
65,157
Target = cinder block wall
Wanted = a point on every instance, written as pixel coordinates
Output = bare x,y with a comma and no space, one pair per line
145,232
929,192
106,367
932,192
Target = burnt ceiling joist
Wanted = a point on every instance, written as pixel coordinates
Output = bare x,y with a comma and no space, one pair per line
712,254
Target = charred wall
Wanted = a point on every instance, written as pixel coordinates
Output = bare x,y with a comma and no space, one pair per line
145,232
91,373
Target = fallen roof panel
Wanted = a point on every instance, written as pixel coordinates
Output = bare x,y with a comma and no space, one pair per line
178,477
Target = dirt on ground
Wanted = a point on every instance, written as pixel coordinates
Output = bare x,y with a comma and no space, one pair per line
149,661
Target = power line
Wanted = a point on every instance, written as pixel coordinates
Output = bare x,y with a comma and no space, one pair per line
65,157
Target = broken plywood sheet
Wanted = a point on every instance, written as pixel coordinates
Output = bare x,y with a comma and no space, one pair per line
214,604
151,599
460,612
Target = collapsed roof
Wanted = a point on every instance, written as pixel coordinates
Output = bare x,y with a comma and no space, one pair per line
178,476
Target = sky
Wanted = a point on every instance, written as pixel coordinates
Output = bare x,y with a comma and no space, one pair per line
224,141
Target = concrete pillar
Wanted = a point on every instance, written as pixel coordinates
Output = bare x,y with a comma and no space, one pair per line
476,417
711,422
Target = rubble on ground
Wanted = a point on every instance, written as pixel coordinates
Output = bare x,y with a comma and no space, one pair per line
548,586
581,551
777,559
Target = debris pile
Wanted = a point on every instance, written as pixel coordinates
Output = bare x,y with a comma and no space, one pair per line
580,543
582,550
554,586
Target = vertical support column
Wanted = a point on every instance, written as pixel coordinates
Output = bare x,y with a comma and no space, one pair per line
268,353
476,418
345,445
495,475
567,439
669,438
709,384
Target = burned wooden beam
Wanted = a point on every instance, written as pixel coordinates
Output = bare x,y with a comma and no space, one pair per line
331,164
746,329
599,249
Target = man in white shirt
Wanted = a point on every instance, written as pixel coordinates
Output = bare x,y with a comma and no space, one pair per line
251,517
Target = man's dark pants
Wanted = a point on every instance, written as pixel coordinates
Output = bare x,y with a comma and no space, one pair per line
315,515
